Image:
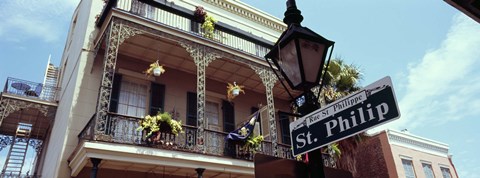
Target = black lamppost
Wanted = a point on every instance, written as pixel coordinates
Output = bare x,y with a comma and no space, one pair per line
299,55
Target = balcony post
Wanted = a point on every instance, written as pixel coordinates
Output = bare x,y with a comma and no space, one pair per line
202,56
95,162
200,172
116,34
269,79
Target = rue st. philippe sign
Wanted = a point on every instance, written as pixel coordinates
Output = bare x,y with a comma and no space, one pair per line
372,106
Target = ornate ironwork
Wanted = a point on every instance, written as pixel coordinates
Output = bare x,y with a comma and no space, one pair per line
117,33
5,141
36,144
215,143
202,56
269,79
124,130
8,106
329,160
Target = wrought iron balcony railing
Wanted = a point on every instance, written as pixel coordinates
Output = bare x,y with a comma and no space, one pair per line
30,89
235,39
123,129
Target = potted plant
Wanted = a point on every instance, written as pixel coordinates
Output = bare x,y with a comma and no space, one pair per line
234,90
253,143
207,21
208,26
199,14
155,69
162,122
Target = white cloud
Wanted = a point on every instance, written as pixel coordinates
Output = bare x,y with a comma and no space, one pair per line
24,19
445,85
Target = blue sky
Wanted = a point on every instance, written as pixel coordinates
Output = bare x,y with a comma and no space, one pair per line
428,48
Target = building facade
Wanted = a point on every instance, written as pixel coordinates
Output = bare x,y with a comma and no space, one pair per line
392,154
104,92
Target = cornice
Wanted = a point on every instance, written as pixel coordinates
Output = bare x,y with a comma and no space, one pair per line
418,143
245,11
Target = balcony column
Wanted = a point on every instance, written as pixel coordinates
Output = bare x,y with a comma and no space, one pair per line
95,163
269,79
202,56
116,34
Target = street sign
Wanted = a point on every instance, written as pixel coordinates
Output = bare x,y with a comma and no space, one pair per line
372,106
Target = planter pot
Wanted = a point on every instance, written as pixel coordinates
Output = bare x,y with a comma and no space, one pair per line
236,92
157,71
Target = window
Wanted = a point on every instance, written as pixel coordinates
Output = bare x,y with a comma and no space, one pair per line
192,109
212,114
408,167
445,172
228,116
427,169
157,98
285,128
132,99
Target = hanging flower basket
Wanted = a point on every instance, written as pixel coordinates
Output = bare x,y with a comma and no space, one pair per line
234,90
155,69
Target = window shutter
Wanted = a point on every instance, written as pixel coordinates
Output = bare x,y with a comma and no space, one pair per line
284,126
192,109
228,116
117,81
157,98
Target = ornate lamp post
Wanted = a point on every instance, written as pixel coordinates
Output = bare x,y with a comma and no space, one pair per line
299,55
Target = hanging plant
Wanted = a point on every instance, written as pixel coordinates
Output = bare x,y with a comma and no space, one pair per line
207,21
155,69
208,26
253,143
234,90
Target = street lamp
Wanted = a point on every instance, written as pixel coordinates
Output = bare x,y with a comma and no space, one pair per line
300,55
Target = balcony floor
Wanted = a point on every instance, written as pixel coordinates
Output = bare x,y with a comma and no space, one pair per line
158,161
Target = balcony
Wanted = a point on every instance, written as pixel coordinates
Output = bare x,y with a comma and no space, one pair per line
27,111
30,90
122,129
182,19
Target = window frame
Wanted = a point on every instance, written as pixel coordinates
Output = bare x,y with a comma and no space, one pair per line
431,169
130,79
445,168
407,159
